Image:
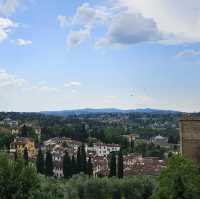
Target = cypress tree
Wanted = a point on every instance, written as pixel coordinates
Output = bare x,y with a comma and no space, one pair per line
15,155
83,159
49,164
40,162
120,165
89,167
25,155
79,160
24,131
112,165
74,166
67,166
132,145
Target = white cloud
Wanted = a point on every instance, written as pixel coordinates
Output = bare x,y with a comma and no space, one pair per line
9,6
87,14
178,18
45,88
128,22
85,17
75,38
5,27
72,84
22,42
63,20
18,94
9,81
130,28
188,53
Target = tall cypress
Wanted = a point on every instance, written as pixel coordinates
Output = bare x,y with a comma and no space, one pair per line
83,159
89,167
15,155
79,160
40,162
112,165
67,166
120,165
74,165
25,155
49,164
24,131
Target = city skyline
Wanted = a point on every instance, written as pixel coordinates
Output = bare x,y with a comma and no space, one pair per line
99,54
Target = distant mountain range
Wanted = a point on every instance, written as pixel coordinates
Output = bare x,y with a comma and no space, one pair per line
105,110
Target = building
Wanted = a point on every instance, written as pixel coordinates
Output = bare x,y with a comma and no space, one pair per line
21,143
190,137
138,165
131,137
160,140
15,131
9,122
102,149
100,166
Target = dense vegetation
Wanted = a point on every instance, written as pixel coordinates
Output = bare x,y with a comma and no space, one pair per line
180,180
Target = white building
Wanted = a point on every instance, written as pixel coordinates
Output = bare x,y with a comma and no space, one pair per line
105,149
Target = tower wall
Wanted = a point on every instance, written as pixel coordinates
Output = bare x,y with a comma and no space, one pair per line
190,137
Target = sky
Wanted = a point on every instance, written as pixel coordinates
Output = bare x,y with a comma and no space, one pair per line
66,54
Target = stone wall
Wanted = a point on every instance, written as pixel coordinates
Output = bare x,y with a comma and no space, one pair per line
190,137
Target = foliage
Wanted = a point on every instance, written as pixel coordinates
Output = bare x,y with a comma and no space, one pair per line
40,162
180,180
67,166
25,155
120,165
17,181
49,164
5,140
89,167
149,150
113,166
27,131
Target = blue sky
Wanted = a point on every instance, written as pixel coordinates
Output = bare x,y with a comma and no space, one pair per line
74,54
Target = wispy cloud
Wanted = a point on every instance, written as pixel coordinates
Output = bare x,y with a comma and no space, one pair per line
6,25
75,38
188,53
72,84
23,42
9,6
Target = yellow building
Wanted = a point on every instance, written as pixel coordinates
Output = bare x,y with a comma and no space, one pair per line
21,143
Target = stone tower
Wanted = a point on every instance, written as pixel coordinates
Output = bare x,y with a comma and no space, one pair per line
190,137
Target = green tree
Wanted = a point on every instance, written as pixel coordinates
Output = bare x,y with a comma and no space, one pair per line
40,162
120,165
26,155
180,180
74,165
67,166
5,140
83,159
89,167
112,165
17,181
79,160
49,164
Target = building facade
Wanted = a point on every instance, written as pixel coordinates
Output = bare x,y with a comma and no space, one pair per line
21,143
190,137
